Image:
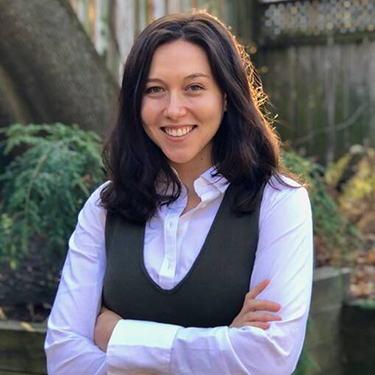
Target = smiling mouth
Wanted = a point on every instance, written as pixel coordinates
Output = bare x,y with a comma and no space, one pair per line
178,131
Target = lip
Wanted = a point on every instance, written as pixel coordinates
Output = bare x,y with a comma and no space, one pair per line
180,138
177,126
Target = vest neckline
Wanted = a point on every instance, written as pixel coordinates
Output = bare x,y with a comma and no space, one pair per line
197,260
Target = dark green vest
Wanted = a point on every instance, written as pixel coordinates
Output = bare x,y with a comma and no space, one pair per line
210,295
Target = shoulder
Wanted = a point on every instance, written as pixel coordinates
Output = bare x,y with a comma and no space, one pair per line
88,236
95,198
289,199
281,188
93,210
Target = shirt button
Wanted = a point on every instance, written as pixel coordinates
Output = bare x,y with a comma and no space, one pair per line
179,232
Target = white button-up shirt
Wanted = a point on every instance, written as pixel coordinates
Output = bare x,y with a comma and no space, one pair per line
172,243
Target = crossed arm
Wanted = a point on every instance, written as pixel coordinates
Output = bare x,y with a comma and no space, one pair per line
247,347
254,313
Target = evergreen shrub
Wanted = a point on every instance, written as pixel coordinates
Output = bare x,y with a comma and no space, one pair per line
44,187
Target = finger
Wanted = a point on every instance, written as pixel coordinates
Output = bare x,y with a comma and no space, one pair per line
257,289
259,304
103,309
259,317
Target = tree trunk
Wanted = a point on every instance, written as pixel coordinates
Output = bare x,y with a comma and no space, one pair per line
49,69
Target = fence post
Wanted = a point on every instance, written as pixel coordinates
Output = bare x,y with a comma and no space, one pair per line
101,26
159,8
124,29
173,6
83,14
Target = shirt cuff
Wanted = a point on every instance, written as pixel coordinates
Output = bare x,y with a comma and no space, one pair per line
140,346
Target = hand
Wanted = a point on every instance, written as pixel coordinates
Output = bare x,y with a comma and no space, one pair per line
249,316
105,324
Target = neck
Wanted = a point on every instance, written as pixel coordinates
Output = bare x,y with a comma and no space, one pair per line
189,174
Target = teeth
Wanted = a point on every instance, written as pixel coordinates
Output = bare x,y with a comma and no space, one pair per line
178,132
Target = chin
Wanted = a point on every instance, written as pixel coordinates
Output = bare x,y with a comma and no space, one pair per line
179,159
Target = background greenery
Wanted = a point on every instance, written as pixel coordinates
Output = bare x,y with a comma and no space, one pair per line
43,188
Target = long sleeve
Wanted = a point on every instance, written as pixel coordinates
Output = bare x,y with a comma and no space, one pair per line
284,256
69,344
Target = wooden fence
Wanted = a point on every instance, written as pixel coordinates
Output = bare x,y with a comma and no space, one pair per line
316,60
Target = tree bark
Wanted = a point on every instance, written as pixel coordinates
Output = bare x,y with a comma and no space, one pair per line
49,69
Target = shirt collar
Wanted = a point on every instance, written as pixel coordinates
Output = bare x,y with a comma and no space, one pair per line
206,181
219,181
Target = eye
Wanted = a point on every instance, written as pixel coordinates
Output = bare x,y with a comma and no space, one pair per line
154,90
195,88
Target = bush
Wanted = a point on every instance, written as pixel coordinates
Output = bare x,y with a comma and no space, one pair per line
334,235
353,179
44,187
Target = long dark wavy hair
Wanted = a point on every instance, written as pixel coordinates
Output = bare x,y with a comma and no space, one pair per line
245,148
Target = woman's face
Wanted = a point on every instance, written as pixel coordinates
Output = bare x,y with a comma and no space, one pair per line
182,107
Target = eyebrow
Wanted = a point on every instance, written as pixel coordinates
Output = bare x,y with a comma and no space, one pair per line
190,76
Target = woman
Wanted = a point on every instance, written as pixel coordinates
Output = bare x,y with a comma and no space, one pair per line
196,257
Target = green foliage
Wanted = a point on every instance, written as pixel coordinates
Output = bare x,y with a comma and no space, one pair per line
44,187
354,176
332,229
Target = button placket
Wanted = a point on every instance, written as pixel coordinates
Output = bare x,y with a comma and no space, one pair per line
168,267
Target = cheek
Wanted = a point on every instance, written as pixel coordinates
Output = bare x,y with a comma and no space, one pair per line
150,112
211,113
147,121
211,105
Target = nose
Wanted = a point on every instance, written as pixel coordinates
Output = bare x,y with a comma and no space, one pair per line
175,107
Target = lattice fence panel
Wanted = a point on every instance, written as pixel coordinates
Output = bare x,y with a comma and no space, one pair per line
309,18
